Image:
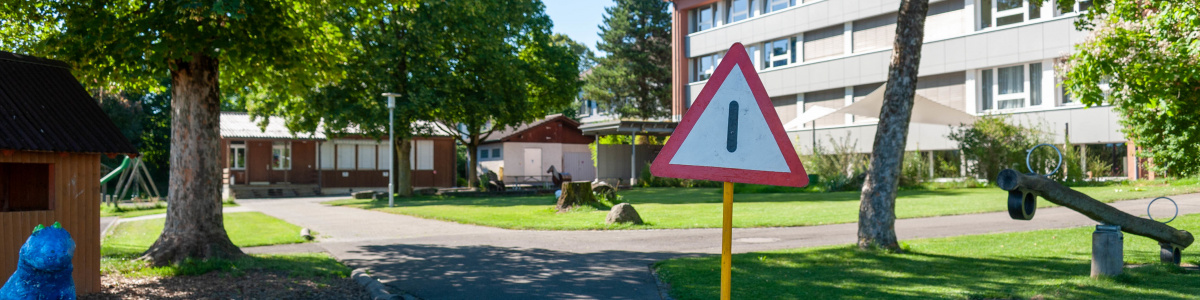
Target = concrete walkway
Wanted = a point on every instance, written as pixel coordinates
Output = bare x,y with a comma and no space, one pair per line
442,260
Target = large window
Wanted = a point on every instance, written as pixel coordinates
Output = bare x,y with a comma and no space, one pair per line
281,155
705,65
755,57
777,5
737,10
779,52
237,155
26,187
366,157
1008,12
704,18
1011,87
424,155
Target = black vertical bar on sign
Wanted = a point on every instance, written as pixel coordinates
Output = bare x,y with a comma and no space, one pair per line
731,143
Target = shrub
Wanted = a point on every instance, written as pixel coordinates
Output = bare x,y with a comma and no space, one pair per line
993,144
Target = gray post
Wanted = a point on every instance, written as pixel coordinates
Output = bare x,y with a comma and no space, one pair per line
391,105
1108,257
632,159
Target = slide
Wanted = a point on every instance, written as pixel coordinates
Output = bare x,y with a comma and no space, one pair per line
116,172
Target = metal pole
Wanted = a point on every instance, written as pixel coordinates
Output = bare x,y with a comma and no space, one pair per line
632,159
392,143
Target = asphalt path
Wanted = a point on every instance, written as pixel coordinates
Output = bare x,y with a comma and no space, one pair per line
443,260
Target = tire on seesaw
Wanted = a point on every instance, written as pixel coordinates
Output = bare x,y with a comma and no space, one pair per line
1021,205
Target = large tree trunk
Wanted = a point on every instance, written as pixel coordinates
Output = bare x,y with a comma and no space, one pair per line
473,163
194,225
403,165
877,207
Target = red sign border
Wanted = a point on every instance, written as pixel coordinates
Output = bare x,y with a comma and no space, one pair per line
736,56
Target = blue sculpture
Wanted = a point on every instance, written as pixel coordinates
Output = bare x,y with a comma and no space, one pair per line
43,267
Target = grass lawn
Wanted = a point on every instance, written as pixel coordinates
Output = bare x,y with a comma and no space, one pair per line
295,265
701,208
1053,264
129,211
246,229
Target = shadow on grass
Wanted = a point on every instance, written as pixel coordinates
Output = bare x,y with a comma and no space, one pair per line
308,265
488,272
845,272
666,196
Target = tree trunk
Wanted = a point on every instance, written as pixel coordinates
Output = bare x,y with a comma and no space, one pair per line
194,225
473,164
403,165
575,194
877,210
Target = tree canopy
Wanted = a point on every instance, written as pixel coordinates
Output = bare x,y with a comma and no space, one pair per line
1147,53
634,79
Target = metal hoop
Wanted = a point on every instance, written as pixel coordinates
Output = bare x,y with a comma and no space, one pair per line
1168,199
1029,153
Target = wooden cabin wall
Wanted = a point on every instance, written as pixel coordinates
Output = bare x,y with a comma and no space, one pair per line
75,204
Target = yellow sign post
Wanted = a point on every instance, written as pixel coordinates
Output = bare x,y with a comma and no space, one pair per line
731,134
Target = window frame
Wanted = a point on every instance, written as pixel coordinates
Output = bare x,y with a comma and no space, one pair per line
483,153
700,73
768,4
699,12
730,12
6,187
234,146
771,57
496,153
278,159
991,103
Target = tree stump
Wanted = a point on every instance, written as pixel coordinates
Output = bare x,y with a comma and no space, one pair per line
605,190
575,194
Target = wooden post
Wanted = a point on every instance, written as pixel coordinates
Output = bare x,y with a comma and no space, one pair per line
1010,180
727,242
1108,253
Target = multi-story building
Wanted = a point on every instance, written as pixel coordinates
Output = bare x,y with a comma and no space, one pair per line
979,56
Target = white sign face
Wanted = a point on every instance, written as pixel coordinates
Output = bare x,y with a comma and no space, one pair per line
736,138
732,133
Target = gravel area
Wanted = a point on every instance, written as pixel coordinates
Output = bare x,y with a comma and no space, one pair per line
217,285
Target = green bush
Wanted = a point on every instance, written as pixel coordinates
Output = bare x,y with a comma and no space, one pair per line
993,144
649,180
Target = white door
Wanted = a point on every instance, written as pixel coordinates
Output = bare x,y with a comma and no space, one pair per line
579,164
533,162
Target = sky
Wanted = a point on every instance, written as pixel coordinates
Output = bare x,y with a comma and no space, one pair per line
578,19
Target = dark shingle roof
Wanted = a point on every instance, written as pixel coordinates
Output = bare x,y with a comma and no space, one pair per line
44,108
511,131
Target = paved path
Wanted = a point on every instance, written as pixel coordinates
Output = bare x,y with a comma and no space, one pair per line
442,260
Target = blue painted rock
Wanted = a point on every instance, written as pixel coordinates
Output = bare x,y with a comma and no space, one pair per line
44,266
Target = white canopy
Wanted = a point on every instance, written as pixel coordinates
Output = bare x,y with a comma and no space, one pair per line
924,111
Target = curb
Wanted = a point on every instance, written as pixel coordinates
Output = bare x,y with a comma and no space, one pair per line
664,289
108,229
377,290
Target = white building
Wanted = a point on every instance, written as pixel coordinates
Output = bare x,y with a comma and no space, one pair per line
980,56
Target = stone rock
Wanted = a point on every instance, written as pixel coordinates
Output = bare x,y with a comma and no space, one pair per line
623,213
363,195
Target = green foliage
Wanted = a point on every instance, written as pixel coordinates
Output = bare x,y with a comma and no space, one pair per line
1148,55
840,168
587,59
634,80
246,229
993,144
914,169
649,180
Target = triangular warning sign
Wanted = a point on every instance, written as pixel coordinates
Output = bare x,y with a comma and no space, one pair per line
732,133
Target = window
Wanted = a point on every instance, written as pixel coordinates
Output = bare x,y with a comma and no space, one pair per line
776,5
496,153
366,157
704,19
483,153
345,156
424,155
738,10
779,53
755,57
237,155
281,155
705,65
327,156
1008,12
1011,87
26,187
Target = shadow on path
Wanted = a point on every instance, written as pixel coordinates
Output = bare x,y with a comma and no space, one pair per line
488,272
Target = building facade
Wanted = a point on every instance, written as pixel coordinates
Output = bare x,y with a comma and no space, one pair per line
523,154
982,57
273,161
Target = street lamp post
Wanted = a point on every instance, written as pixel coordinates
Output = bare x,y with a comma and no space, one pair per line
392,145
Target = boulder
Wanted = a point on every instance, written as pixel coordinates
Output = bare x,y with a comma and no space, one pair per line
363,195
623,213
575,194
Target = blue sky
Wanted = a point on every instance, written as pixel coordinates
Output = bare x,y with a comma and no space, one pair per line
578,19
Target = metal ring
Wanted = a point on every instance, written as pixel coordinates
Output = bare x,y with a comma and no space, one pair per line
1030,153
1172,202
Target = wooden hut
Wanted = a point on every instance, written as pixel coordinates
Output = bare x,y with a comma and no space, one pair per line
52,134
